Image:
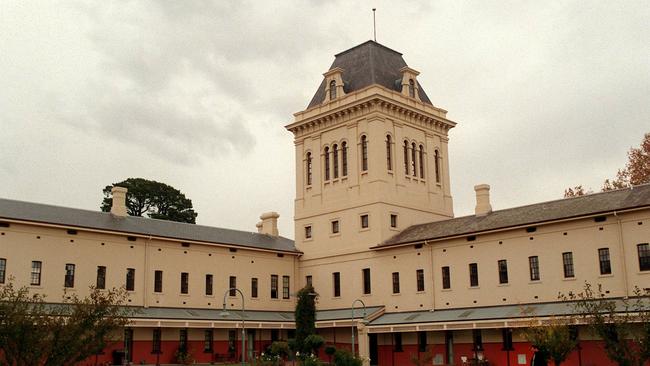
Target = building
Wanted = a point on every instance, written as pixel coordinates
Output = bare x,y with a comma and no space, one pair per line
373,222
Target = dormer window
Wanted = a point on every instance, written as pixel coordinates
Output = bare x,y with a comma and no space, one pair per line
411,88
332,89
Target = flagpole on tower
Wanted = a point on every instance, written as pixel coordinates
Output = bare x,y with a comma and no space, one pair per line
374,24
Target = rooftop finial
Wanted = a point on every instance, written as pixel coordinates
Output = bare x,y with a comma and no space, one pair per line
374,24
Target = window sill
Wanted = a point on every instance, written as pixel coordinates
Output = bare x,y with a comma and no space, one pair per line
503,285
393,228
69,289
446,290
644,272
423,292
184,295
158,293
209,296
36,287
474,288
569,279
335,234
364,229
606,275
535,282
308,239
396,294
254,299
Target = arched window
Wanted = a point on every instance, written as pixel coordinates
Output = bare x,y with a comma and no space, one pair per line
344,159
389,160
406,157
421,161
308,163
327,163
437,165
411,88
414,150
335,152
364,153
332,89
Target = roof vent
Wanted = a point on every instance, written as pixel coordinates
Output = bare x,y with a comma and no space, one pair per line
119,201
483,206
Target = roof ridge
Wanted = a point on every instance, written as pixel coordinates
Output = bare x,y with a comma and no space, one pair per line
371,42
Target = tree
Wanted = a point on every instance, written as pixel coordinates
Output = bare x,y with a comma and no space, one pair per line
157,200
305,315
623,325
576,191
552,339
33,332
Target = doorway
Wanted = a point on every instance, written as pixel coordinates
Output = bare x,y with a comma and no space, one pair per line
250,344
374,351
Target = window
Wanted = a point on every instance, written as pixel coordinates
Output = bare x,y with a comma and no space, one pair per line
414,151
503,271
567,261
446,278
364,153
389,160
364,221
274,286
335,156
185,279
207,340
396,282
332,89
69,275
285,287
393,220
308,232
507,339
477,338
644,256
232,283
419,279
326,155
422,341
335,227
411,88
603,259
209,281
309,281
232,338
473,274
336,279
3,269
182,344
254,288
533,264
366,281
275,335
344,159
157,281
156,341
101,277
406,157
397,341
130,279
437,165
309,168
421,161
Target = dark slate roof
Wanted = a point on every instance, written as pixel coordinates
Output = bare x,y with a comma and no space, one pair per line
36,212
366,64
592,204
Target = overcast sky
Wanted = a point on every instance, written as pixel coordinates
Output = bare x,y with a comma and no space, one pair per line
196,94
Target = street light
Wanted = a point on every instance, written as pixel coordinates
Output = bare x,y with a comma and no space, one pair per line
352,319
224,313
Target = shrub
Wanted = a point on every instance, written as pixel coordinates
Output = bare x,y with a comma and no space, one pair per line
344,357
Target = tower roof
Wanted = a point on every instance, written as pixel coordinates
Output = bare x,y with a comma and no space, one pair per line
367,64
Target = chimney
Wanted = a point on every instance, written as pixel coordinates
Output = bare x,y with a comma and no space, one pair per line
119,201
259,227
483,206
269,223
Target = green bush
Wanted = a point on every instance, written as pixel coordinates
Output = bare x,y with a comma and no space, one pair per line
313,342
280,348
344,357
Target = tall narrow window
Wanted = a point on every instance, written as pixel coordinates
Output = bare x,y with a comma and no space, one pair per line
156,340
308,232
366,281
335,157
446,278
309,168
232,283
506,334
437,165
209,282
421,161
393,220
285,287
207,340
182,339
422,341
567,261
533,264
389,154
101,277
478,340
344,159
406,157
411,88
3,269
473,274
185,282
309,280
336,279
254,288
157,281
69,275
396,282
503,271
332,89
35,276
274,286
419,279
397,341
364,221
414,151
643,251
327,163
335,227
364,153
605,263
130,279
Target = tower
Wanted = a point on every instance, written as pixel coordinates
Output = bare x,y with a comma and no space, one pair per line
371,155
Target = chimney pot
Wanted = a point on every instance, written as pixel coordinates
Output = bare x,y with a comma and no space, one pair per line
119,201
269,224
483,206
259,227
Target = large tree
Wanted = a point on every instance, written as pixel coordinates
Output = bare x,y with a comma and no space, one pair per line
553,340
305,316
157,200
636,171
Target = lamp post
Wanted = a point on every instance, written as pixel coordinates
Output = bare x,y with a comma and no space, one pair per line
225,313
352,319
